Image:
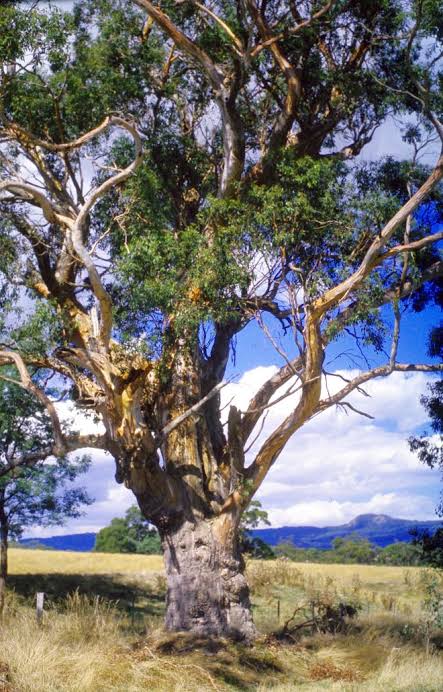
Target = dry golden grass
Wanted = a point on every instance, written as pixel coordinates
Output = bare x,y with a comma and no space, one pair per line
114,642
65,562
405,672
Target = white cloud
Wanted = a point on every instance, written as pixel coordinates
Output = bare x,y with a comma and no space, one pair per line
342,464
337,466
332,512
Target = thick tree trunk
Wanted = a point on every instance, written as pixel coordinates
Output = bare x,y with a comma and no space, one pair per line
207,591
3,564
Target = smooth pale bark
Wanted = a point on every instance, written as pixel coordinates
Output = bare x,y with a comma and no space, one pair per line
207,590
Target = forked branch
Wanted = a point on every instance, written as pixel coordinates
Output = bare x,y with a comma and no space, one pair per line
8,357
54,214
373,256
381,371
225,87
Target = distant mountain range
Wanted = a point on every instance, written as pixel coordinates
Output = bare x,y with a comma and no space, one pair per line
78,542
377,528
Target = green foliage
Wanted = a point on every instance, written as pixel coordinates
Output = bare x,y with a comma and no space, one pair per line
429,445
399,553
253,517
42,494
24,425
42,329
88,63
311,214
131,534
430,547
353,550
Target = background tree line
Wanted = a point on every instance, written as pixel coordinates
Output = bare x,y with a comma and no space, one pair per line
133,534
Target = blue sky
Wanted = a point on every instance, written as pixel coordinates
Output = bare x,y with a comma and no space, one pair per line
253,349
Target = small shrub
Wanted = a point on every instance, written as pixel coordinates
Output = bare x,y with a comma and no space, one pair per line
318,616
160,584
261,575
87,618
388,602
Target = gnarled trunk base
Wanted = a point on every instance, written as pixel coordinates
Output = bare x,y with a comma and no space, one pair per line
207,591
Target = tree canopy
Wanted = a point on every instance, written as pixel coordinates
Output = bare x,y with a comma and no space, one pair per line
42,493
37,494
130,534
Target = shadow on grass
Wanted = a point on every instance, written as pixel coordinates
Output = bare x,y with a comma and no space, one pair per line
130,597
240,666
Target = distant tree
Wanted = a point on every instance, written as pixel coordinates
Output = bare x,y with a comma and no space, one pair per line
252,518
131,534
429,448
400,553
114,538
430,547
38,494
31,545
354,549
291,552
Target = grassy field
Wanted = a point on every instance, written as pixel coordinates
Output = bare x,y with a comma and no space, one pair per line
102,630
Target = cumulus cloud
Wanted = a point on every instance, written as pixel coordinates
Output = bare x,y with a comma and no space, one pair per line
341,464
337,466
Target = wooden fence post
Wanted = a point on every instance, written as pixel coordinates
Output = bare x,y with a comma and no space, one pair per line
40,599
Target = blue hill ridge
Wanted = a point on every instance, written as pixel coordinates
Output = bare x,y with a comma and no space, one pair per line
380,529
78,542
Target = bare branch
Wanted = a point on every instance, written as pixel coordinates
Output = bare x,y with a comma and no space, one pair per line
381,371
30,193
308,403
259,432
71,443
17,130
189,412
7,357
238,45
286,117
225,87
415,245
259,402
372,257
346,404
77,229
293,30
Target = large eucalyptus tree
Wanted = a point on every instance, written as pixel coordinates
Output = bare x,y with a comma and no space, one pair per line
170,174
